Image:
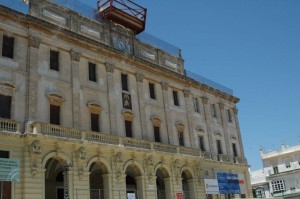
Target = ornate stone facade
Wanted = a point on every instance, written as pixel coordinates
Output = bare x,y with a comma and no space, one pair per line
70,155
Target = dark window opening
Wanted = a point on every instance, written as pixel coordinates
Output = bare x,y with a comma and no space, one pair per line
95,122
156,134
196,105
4,154
234,149
128,128
5,187
124,79
213,110
180,138
175,98
201,143
92,72
229,115
152,91
54,114
219,147
8,47
5,106
275,169
54,60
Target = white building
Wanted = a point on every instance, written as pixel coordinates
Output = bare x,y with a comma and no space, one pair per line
280,176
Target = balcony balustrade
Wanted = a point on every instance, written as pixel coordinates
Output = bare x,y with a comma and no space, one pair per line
57,131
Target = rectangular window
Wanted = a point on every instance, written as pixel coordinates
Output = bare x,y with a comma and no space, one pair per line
275,169
124,79
8,47
95,122
234,149
229,116
180,138
128,128
5,187
92,72
219,147
175,98
54,114
196,105
213,110
152,91
156,134
54,60
201,143
278,186
5,106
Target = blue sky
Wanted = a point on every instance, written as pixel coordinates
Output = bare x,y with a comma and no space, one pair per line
250,46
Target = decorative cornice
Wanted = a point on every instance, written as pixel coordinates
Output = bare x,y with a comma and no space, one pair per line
109,67
34,42
75,56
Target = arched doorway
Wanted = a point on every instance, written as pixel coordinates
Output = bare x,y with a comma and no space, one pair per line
99,185
54,179
133,183
162,184
187,186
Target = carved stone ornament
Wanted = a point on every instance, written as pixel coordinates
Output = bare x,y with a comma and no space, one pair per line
128,115
139,77
7,87
80,153
186,93
165,86
109,67
179,127
149,165
118,159
55,99
34,42
155,121
75,56
94,107
176,168
34,151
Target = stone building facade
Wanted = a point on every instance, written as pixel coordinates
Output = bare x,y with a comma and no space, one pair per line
280,174
90,110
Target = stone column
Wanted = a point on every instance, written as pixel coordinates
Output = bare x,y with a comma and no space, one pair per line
169,188
140,185
166,103
75,57
141,100
192,188
189,112
235,111
208,123
111,97
108,185
225,129
34,44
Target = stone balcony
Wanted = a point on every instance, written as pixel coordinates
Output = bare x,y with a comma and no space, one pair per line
55,131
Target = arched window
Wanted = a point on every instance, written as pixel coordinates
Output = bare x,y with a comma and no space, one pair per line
128,119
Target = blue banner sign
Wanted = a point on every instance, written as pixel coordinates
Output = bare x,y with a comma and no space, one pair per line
9,170
228,183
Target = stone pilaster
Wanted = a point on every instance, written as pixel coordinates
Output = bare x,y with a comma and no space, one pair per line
141,187
75,57
235,111
111,97
166,103
169,188
208,122
225,125
193,188
34,44
141,100
189,112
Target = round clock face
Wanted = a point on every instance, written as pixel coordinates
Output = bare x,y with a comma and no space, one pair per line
121,45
